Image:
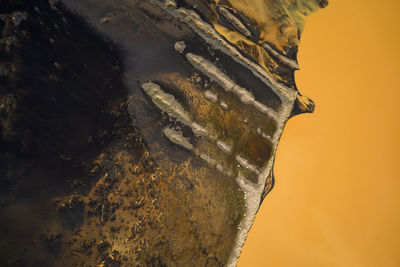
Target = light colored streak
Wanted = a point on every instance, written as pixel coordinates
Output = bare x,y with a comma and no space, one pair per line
167,103
198,129
208,159
245,164
177,138
281,58
211,71
224,147
264,135
234,21
172,107
224,105
211,96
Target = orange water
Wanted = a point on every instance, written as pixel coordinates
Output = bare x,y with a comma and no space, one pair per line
336,200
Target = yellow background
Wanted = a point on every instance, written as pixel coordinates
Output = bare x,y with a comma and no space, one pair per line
336,200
